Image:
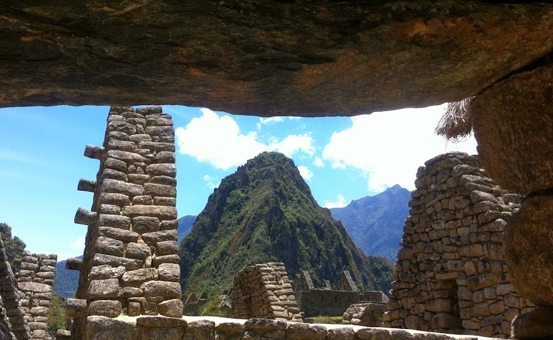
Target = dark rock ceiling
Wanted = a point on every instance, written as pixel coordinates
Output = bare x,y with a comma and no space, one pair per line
265,57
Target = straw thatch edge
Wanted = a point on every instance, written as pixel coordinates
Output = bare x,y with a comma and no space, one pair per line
456,123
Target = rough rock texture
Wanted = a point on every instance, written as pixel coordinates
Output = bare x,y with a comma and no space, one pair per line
264,291
211,328
35,280
451,274
364,314
13,323
131,245
513,123
529,238
265,57
529,241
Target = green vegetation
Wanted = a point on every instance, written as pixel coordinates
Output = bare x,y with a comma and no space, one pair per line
212,307
327,319
265,212
56,318
14,246
66,281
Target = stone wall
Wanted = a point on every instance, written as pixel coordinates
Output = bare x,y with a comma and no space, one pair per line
130,263
198,328
451,274
35,280
13,319
369,312
364,314
265,291
193,304
325,301
346,282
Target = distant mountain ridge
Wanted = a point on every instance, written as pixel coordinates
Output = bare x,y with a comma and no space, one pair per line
265,212
185,224
375,223
66,281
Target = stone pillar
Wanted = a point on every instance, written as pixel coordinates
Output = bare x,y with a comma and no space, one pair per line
513,124
264,291
35,280
451,274
130,264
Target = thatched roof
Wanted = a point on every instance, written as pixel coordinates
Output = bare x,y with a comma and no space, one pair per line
456,122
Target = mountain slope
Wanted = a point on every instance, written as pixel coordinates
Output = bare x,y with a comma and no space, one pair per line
265,212
185,224
375,223
66,281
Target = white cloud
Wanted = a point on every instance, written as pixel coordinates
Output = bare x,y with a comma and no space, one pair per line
78,244
294,143
388,147
211,182
217,140
271,120
318,162
305,172
339,203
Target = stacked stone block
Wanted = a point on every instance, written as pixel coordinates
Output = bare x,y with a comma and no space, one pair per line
451,274
13,316
130,264
346,282
264,291
303,281
35,281
190,328
364,314
325,300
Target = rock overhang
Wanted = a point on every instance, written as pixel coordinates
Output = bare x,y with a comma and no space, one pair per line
266,57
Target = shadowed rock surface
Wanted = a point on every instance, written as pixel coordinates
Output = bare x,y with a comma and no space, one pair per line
265,57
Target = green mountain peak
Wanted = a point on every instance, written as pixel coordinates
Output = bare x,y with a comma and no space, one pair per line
265,212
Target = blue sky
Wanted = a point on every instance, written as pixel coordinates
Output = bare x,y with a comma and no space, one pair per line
341,159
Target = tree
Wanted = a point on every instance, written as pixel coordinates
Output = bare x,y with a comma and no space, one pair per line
57,318
14,246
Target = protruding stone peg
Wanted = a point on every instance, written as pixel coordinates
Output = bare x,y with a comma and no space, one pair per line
85,217
73,264
75,308
86,185
92,151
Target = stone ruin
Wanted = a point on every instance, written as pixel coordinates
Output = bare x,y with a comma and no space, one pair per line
25,297
12,320
325,300
346,282
130,263
129,276
451,275
35,280
264,291
193,303
369,312
365,314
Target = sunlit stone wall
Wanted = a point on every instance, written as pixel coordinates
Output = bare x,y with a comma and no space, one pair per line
451,275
